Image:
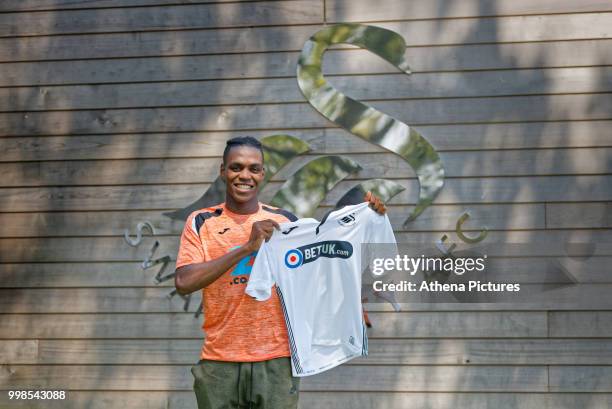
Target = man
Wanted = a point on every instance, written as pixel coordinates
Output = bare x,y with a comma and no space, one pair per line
245,357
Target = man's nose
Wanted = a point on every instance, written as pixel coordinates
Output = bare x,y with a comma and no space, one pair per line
245,174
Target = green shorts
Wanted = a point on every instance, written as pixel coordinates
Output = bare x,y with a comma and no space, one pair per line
262,385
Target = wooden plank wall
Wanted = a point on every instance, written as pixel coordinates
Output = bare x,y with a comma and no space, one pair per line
112,112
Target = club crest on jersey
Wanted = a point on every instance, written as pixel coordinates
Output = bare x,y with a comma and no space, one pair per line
347,220
311,252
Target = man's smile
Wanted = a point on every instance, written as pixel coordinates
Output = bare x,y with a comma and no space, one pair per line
244,186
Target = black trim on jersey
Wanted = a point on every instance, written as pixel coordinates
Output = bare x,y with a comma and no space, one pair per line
290,229
364,348
201,217
284,212
324,219
294,354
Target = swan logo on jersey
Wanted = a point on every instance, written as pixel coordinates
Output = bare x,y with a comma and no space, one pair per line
347,220
311,252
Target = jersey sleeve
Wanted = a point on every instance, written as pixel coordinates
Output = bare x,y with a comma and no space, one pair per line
190,249
380,229
262,276
381,239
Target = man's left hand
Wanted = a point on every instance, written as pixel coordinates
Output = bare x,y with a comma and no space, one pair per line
375,203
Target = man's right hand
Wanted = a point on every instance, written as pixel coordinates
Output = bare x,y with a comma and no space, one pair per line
193,277
260,231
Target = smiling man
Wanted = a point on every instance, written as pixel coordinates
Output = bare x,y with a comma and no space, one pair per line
244,361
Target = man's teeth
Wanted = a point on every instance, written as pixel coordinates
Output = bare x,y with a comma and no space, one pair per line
241,186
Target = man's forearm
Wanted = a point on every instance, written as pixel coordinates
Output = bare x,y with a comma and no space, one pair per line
194,277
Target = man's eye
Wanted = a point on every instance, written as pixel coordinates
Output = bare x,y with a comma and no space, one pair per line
255,170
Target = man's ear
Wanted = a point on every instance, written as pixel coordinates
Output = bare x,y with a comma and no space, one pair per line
222,171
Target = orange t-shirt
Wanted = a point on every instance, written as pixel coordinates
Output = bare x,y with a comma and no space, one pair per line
237,327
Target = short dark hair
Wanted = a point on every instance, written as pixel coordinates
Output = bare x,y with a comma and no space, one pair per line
242,141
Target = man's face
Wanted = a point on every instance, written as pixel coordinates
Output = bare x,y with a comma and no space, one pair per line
242,172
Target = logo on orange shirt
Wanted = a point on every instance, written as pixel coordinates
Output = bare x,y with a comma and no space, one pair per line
243,268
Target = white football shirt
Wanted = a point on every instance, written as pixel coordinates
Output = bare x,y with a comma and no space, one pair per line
316,267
